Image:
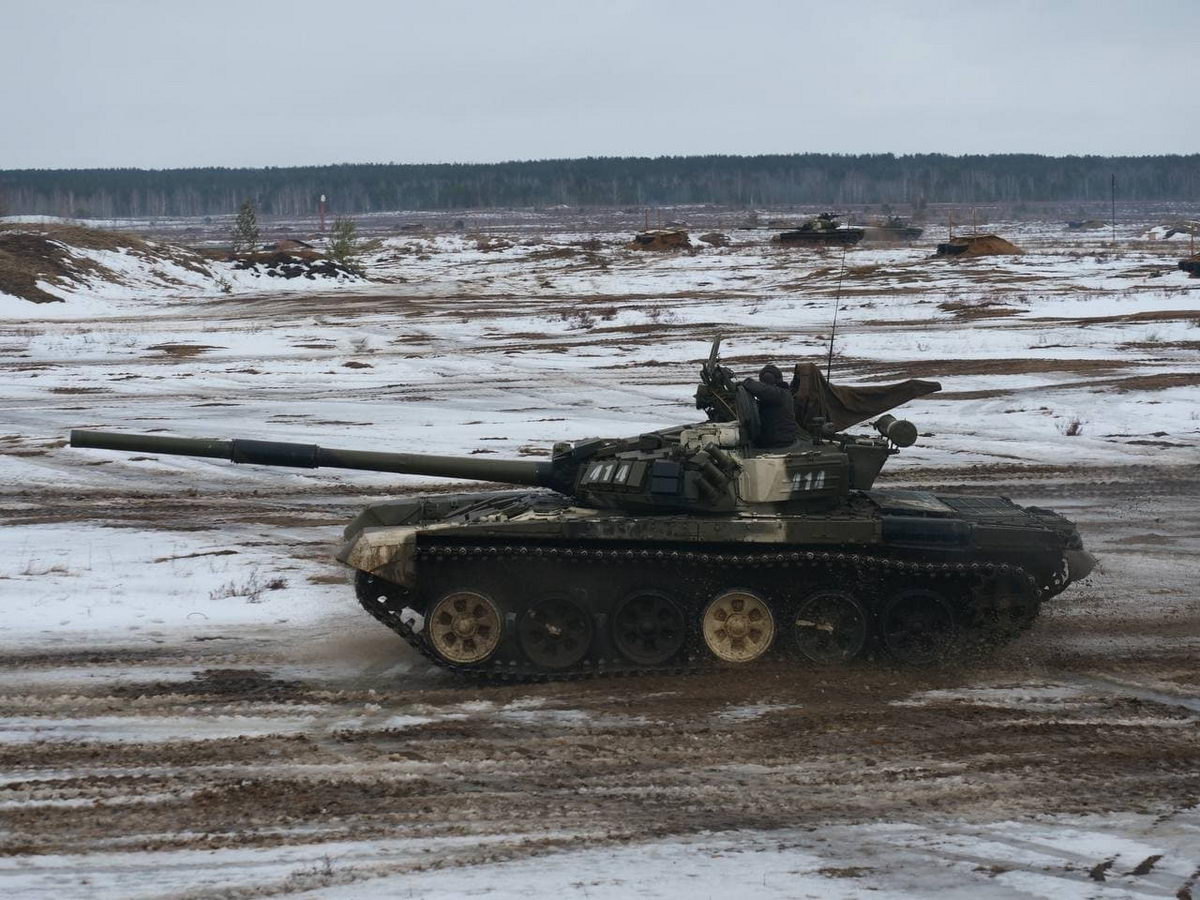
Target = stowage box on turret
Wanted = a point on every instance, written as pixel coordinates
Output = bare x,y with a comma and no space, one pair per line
688,546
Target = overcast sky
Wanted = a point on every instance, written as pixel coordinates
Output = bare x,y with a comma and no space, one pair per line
164,84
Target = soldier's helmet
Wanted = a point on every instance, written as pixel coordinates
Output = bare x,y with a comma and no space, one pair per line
770,374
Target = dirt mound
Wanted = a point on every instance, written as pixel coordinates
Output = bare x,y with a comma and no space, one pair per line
26,259
1191,265
29,256
978,245
36,255
715,238
1170,231
661,239
556,253
488,244
288,265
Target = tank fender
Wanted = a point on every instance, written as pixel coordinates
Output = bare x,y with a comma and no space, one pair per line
387,552
926,531
1079,565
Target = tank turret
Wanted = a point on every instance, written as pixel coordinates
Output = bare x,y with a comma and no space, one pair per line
687,545
707,467
712,466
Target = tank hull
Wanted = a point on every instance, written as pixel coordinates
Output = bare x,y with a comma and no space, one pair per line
892,234
833,236
561,590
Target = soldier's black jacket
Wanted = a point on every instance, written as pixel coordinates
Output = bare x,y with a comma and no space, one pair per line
776,414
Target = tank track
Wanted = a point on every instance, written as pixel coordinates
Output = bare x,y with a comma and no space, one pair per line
386,601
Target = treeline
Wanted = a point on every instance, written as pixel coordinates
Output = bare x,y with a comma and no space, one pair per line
737,181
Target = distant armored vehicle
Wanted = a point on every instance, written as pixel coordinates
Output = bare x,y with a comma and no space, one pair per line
688,546
822,229
894,230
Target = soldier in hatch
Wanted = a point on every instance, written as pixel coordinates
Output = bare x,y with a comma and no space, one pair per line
776,408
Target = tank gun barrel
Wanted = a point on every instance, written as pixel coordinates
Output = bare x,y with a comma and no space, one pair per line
310,456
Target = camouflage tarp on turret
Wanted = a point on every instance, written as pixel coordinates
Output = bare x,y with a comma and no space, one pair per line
842,406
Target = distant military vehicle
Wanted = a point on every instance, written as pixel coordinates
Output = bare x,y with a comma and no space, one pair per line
893,229
688,546
822,229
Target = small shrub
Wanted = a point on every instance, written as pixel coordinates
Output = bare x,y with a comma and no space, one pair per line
245,229
661,316
1072,427
252,588
582,320
343,242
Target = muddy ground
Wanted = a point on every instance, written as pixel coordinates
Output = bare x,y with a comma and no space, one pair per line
273,739
289,743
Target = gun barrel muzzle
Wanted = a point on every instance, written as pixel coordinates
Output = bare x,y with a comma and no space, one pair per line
900,432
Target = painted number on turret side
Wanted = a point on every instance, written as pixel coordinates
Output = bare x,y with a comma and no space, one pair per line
808,481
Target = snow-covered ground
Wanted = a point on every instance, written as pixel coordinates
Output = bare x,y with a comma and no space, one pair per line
126,578
1050,857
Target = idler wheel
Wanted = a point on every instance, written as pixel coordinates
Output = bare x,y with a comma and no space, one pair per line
918,628
648,628
464,627
738,626
830,627
555,633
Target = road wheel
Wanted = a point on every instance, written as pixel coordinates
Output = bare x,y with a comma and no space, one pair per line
464,627
738,626
830,627
918,628
648,628
555,633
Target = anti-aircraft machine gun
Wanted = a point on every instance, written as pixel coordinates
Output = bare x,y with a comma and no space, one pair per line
688,546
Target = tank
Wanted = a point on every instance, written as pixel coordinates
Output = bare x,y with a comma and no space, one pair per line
823,229
689,546
893,229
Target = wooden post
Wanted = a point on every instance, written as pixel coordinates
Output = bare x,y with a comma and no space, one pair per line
1114,210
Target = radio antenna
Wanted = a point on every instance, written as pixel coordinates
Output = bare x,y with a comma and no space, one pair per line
837,302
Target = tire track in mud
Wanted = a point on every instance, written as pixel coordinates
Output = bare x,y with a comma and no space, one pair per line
705,753
242,744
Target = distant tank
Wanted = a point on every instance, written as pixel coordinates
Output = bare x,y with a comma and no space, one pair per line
822,229
893,229
688,546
